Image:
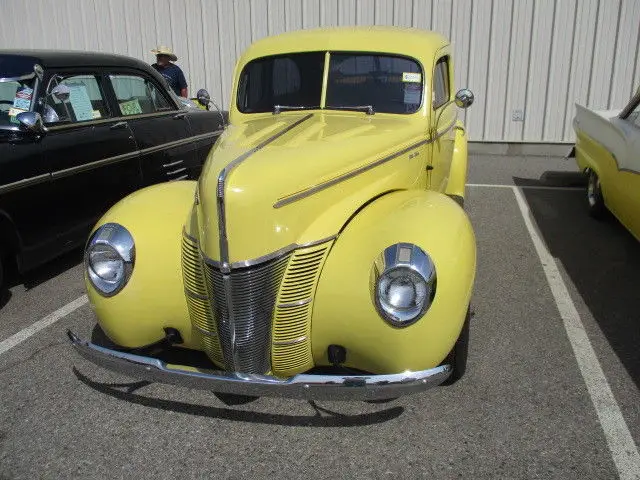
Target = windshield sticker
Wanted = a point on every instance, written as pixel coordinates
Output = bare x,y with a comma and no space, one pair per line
25,93
412,93
411,77
13,113
132,107
21,103
80,102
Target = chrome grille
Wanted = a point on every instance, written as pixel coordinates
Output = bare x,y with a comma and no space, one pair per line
198,301
291,348
243,304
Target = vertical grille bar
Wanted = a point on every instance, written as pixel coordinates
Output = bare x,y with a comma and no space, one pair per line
243,304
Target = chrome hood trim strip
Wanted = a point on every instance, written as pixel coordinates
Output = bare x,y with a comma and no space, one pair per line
225,266
346,176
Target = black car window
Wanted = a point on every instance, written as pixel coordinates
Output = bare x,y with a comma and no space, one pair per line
137,95
441,91
387,83
73,99
289,80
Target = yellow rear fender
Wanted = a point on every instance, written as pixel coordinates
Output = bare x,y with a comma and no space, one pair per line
344,312
154,296
458,175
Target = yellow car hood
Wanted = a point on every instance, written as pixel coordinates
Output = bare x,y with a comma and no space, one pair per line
296,178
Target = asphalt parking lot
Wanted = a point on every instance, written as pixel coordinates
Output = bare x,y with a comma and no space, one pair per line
552,389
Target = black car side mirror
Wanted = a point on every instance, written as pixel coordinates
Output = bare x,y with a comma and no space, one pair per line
31,122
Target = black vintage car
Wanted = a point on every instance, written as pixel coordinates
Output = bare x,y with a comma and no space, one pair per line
78,132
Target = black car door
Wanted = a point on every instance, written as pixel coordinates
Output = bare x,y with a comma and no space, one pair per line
92,153
206,127
161,129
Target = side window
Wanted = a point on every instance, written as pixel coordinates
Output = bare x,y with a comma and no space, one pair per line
137,95
74,99
441,90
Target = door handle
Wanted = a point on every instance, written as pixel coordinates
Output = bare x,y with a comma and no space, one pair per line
118,125
180,115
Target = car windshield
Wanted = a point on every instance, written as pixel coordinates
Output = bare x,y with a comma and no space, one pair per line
382,83
16,95
363,82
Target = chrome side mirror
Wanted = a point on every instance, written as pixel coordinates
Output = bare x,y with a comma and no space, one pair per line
31,122
464,98
203,97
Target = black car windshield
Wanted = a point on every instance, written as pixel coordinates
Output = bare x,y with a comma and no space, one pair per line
293,80
16,95
381,83
363,82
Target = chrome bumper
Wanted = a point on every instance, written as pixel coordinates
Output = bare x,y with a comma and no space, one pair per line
304,386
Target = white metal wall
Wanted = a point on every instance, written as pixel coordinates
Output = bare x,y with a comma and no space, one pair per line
527,61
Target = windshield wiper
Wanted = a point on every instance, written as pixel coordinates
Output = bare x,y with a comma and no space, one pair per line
356,108
283,108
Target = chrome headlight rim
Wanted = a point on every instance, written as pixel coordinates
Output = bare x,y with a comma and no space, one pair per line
117,239
410,259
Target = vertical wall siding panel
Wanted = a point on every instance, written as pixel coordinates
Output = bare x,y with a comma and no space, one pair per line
212,59
626,51
293,9
603,53
586,53
383,12
347,12
586,16
329,13
242,25
422,13
460,40
497,71
442,16
365,12
478,66
311,13
403,12
226,38
519,67
259,19
560,65
541,38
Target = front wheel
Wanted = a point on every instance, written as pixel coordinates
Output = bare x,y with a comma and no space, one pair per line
595,200
457,358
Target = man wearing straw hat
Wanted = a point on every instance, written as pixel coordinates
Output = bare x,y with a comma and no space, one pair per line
170,71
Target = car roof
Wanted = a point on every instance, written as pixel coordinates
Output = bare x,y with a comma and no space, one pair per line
413,42
74,58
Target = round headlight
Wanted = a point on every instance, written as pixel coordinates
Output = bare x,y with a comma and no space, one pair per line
405,284
109,258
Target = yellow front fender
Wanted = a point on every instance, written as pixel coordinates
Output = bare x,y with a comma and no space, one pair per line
154,296
344,312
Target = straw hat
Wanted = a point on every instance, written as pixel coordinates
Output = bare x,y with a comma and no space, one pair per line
164,50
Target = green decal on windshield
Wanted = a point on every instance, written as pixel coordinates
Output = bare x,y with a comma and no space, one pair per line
132,107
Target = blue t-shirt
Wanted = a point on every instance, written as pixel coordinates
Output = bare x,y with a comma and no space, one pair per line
173,75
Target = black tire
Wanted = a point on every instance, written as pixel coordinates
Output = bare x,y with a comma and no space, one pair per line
457,358
595,200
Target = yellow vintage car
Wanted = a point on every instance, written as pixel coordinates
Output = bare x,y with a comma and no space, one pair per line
324,252
608,150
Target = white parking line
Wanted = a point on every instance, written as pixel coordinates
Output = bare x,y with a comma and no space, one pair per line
50,319
621,445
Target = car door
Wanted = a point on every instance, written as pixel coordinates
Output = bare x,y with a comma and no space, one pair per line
160,127
206,127
625,189
92,153
443,117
